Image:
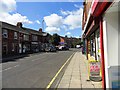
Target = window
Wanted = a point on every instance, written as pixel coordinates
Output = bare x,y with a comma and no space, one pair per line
92,45
15,35
4,49
5,33
13,46
34,38
26,37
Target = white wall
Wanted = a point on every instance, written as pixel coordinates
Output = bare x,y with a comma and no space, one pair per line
111,36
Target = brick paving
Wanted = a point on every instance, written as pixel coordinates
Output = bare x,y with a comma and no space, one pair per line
76,74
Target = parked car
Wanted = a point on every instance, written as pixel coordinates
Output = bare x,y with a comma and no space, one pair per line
50,48
47,49
63,48
78,46
57,47
53,49
42,47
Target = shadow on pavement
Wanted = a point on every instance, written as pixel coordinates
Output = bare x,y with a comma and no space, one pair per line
14,58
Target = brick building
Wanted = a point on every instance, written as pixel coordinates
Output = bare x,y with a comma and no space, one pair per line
19,40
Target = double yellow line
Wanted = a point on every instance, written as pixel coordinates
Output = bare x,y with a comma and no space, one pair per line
51,82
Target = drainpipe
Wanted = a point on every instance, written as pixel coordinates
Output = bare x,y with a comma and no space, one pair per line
86,42
102,54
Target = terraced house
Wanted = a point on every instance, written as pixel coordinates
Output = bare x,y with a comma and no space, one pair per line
101,37
19,40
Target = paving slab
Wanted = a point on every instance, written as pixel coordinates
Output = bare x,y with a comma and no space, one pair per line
76,74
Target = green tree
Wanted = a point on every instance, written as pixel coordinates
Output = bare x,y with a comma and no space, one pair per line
56,39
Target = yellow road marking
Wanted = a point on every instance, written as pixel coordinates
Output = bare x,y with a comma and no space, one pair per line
49,85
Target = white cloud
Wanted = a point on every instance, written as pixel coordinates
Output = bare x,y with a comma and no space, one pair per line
73,18
77,6
53,20
37,21
8,6
75,12
77,36
68,33
73,21
14,18
64,27
52,29
65,12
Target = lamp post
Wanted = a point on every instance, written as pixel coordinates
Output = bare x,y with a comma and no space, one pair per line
43,24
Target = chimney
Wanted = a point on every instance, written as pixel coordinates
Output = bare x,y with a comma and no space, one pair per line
19,24
40,30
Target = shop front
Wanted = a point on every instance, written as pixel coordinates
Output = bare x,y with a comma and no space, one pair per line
93,53
35,46
26,47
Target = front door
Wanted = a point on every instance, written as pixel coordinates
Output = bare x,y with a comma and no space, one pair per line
4,50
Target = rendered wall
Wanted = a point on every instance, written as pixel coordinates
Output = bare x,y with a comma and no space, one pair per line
111,48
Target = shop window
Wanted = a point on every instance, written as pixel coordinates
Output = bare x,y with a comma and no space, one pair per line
92,45
98,45
92,48
5,33
15,35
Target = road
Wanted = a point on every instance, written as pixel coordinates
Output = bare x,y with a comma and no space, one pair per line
35,71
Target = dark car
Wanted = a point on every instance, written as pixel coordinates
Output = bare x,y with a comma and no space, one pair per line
47,49
50,48
42,48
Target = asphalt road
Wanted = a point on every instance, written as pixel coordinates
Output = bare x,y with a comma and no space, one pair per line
35,71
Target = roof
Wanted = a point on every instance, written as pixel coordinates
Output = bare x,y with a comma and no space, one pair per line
22,30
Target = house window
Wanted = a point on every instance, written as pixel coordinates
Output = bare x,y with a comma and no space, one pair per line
5,33
34,38
13,47
15,35
26,37
4,49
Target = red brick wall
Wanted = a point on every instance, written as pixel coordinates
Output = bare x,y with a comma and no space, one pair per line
8,41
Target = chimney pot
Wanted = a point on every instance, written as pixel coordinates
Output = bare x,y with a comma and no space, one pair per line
40,30
19,24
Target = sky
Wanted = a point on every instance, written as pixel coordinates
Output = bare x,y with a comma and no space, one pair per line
63,18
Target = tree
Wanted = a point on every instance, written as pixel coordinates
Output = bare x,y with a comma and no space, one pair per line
56,39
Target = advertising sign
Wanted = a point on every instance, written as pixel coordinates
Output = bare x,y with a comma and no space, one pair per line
94,70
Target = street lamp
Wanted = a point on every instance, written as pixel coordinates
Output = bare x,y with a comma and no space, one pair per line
43,24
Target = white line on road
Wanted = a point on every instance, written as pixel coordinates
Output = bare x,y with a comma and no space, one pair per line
7,69
10,68
16,65
35,59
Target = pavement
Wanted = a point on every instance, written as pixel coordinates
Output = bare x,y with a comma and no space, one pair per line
76,74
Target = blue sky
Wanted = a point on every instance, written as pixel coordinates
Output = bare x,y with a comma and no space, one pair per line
63,18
